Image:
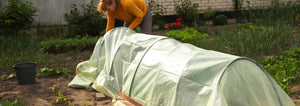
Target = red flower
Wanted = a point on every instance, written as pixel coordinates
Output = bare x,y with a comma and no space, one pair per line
169,24
178,23
178,19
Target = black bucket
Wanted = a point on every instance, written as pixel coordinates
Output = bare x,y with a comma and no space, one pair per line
25,72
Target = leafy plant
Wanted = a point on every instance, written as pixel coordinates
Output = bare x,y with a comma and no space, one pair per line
187,35
284,68
220,20
60,45
5,76
55,71
53,88
61,97
16,16
87,21
14,103
188,11
70,103
209,13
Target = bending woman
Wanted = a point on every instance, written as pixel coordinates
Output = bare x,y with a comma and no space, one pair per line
133,12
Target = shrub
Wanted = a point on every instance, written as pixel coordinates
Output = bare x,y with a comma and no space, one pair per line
16,16
187,35
157,11
220,20
208,14
188,12
87,21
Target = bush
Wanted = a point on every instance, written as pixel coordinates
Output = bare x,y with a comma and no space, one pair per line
220,20
87,21
188,12
16,16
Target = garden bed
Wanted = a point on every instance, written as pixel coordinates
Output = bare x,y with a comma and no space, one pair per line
40,93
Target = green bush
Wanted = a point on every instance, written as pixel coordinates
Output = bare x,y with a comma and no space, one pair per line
208,14
220,20
188,12
284,68
87,21
187,35
157,11
16,16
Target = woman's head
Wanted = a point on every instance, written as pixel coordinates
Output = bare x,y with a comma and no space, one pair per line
108,5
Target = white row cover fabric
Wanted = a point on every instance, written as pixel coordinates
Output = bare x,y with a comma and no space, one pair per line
156,70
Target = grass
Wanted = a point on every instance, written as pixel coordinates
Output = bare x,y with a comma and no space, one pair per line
19,48
250,40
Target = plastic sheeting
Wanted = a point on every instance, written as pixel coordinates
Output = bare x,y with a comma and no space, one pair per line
156,70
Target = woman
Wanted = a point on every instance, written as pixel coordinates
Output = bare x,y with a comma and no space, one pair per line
133,12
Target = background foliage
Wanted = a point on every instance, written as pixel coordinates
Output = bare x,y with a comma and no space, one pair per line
87,21
188,11
16,16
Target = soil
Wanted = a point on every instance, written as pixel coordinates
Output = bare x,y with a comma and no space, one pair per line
40,94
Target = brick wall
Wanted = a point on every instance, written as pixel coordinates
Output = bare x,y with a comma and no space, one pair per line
215,5
52,11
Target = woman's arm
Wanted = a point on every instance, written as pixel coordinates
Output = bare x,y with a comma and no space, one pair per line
137,12
110,22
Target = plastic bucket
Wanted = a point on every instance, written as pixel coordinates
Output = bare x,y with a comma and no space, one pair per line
25,72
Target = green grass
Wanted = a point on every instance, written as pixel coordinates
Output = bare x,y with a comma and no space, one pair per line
250,40
276,13
16,49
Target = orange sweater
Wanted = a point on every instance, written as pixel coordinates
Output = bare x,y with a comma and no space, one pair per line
131,11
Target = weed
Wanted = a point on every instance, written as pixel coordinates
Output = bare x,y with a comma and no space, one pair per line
14,103
60,97
70,103
53,88
5,76
55,71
